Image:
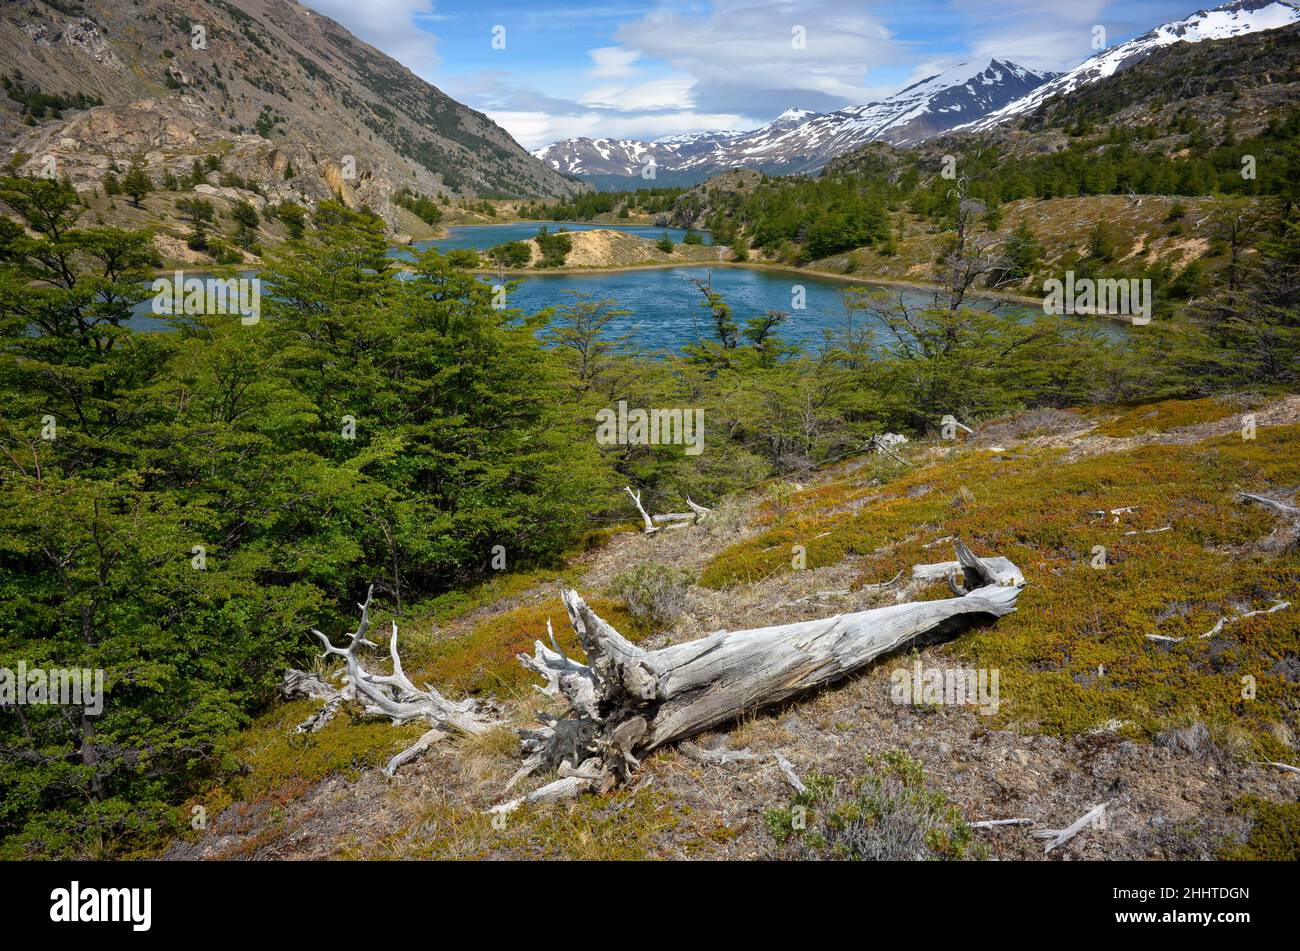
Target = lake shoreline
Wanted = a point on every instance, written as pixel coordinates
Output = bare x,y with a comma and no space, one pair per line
751,265
829,276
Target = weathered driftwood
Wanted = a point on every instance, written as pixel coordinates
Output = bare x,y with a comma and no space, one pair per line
1225,621
650,528
696,514
1283,766
626,701
700,511
1286,534
390,695
998,823
1281,508
727,757
885,443
1122,510
1222,623
1150,531
1059,837
302,684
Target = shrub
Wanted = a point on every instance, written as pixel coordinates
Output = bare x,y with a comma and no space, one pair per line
656,594
555,248
466,258
512,254
243,213
137,184
294,218
887,815
419,205
1274,832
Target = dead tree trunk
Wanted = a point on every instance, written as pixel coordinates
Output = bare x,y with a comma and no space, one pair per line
696,515
390,695
626,701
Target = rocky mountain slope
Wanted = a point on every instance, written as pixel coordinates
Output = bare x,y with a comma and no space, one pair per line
797,140
1233,19
288,98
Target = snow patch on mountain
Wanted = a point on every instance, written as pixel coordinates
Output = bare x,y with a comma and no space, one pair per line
799,140
1231,19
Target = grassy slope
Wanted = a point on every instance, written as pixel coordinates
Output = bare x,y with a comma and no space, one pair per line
1142,230
1091,709
1034,506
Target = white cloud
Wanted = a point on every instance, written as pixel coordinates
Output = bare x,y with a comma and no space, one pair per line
669,93
535,129
745,56
390,26
730,64
612,62
1040,34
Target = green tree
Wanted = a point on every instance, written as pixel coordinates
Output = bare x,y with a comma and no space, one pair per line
202,503
243,213
466,258
581,334
137,184
1023,251
294,218
512,254
200,214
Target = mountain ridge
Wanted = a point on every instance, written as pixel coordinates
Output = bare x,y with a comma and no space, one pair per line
798,140
1235,18
801,142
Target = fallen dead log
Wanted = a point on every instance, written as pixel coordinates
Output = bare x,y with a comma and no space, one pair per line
298,684
650,528
700,511
885,443
696,514
626,701
1283,766
389,695
1225,621
1122,510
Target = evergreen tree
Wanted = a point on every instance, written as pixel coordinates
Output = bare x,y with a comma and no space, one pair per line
137,184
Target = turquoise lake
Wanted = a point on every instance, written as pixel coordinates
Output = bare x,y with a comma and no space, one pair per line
666,311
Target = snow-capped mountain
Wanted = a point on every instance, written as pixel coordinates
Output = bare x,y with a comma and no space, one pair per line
1231,19
802,141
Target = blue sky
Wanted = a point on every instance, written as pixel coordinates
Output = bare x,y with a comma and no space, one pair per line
628,69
